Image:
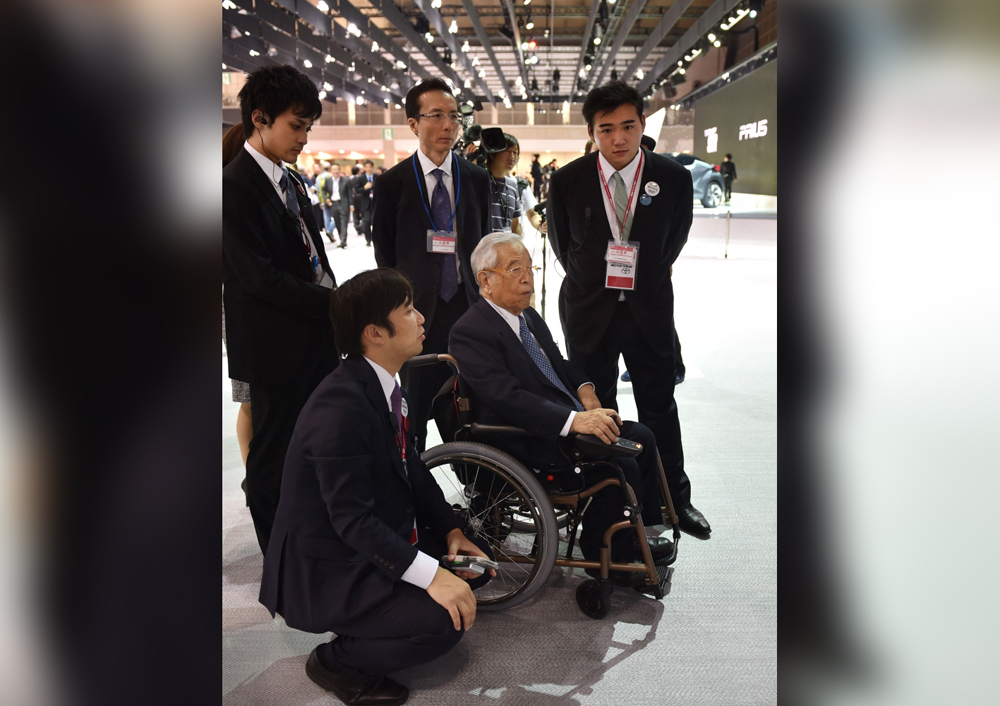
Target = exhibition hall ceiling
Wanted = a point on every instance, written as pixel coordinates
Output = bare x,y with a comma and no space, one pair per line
492,51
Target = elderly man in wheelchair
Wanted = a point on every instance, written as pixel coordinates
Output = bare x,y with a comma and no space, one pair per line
535,456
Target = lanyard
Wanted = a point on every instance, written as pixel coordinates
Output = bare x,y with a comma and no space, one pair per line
458,193
400,435
628,206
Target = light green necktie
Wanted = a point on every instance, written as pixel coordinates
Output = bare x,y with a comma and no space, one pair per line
621,203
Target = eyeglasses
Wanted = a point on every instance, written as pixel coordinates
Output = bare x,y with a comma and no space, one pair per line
438,117
516,271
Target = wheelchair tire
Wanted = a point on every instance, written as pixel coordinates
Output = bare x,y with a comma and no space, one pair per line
594,600
490,488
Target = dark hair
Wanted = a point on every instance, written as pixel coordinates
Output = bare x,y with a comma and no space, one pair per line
368,161
511,142
367,298
536,156
355,169
648,142
606,98
276,88
413,95
728,156
232,143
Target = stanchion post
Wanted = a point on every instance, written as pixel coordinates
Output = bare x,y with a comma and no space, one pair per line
729,218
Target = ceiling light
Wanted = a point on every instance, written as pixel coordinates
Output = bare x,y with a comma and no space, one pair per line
351,28
436,4
400,65
753,14
453,28
711,37
468,83
359,100
223,66
465,47
639,74
246,33
527,2
597,41
327,86
429,37
524,46
322,6
254,53
717,43
682,71
342,151
322,95
530,24
228,5
328,59
397,106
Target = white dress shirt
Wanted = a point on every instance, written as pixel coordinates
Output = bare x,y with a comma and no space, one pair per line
427,167
628,174
421,572
274,172
515,324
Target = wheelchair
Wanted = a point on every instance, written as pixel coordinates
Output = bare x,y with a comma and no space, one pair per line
505,502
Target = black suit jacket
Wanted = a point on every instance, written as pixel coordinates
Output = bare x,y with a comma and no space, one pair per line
580,241
341,536
361,198
346,195
400,224
507,386
277,319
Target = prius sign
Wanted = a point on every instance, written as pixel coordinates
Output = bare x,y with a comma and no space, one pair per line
752,130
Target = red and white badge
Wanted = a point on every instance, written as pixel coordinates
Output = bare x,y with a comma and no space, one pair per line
623,261
441,242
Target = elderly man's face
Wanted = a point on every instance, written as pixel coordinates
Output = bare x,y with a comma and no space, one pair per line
509,290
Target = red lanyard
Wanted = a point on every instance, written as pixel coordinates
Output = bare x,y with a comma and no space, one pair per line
631,193
401,439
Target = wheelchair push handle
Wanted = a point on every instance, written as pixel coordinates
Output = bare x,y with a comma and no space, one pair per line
431,358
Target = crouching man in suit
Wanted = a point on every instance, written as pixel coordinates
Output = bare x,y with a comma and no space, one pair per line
519,378
362,523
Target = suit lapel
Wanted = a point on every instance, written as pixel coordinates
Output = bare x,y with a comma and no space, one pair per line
512,342
373,391
593,194
420,188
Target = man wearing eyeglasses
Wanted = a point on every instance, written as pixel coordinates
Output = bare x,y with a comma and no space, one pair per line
429,213
518,377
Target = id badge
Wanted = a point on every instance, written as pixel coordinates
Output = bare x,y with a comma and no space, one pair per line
441,243
623,260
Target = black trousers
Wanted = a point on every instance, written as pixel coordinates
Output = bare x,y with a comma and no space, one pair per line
276,408
606,507
340,215
365,227
653,387
407,630
679,368
729,187
421,384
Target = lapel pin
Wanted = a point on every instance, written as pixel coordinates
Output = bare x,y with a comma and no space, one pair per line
405,409
652,188
645,199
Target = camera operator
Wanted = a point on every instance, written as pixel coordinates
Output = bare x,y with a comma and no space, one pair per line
505,202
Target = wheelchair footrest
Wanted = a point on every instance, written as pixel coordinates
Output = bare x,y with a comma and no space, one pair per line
660,589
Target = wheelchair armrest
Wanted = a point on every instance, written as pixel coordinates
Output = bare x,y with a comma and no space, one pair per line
494,430
591,445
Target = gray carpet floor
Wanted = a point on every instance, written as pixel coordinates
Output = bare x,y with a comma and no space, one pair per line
712,640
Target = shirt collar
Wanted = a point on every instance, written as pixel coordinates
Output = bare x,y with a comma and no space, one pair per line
387,381
266,164
513,321
427,166
627,172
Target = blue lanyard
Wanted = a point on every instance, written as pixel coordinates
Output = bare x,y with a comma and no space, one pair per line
458,193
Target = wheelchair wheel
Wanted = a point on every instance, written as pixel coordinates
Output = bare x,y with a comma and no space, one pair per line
593,598
506,505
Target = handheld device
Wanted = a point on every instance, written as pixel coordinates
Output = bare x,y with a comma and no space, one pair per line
474,564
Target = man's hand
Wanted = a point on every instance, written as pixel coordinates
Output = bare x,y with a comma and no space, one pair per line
544,228
352,209
599,422
368,185
454,595
458,543
329,202
587,397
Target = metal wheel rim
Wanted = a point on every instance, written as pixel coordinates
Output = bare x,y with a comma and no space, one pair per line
715,194
505,575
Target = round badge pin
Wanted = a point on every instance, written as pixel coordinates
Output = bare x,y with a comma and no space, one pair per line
652,188
645,199
404,408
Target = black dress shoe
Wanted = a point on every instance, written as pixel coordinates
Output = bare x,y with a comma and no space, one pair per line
660,547
678,378
384,692
693,522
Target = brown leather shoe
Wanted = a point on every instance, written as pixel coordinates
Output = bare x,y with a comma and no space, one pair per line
384,692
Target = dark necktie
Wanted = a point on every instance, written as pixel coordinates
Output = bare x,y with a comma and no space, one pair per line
441,212
536,355
292,204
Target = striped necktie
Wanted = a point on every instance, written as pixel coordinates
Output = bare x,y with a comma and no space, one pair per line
543,363
621,203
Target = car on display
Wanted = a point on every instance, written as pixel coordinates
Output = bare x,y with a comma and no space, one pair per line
708,184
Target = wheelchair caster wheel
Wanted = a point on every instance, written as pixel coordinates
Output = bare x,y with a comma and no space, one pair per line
593,598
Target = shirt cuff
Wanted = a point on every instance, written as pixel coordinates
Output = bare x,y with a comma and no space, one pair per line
568,424
583,386
421,571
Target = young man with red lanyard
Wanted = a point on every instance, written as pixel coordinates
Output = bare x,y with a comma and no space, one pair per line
618,218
